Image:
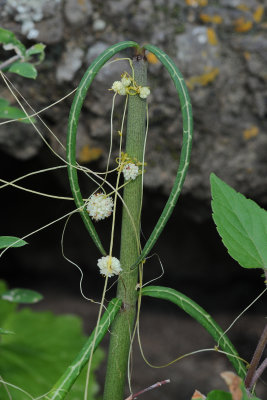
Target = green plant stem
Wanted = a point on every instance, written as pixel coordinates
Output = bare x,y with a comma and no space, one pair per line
75,111
201,316
132,196
65,382
186,110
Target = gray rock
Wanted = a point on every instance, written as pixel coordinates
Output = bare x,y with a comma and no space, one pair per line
225,74
76,12
20,140
118,7
50,30
99,25
71,61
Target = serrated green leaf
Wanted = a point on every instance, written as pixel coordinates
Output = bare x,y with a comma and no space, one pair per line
5,332
24,296
241,223
9,112
24,69
11,42
218,395
11,241
43,347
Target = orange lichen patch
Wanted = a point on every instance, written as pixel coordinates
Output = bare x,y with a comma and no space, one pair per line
247,55
196,3
258,14
198,396
250,132
242,25
151,58
202,80
215,19
212,37
89,153
233,382
242,7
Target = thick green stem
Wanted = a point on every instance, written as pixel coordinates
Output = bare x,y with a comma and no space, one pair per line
123,324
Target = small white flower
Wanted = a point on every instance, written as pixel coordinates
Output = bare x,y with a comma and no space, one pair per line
119,88
130,171
144,92
99,206
125,81
109,266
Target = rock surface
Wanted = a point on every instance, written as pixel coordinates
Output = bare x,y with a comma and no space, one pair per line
219,48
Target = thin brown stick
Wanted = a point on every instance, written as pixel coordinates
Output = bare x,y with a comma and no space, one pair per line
156,385
256,359
259,372
8,62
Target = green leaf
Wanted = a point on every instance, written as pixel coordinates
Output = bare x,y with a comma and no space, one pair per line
36,49
218,395
5,332
11,42
11,241
41,350
3,103
241,223
24,69
25,296
9,112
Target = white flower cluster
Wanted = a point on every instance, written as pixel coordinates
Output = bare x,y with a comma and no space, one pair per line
121,86
99,206
130,171
109,266
144,92
125,80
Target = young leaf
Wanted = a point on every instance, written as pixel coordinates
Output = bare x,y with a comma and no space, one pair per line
10,42
241,223
37,49
24,69
11,241
25,296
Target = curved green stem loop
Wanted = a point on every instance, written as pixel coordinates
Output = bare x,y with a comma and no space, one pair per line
200,315
72,133
184,98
